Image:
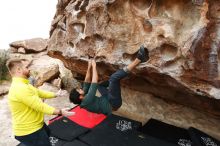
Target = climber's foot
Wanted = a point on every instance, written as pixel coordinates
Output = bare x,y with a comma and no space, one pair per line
142,54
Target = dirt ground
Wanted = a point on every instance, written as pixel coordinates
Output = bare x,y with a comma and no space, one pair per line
6,136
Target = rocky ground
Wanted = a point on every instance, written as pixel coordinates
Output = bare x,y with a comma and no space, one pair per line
6,136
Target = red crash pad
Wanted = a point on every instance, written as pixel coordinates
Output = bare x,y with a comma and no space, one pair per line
84,118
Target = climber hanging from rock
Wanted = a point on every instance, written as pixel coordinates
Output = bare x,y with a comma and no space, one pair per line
110,90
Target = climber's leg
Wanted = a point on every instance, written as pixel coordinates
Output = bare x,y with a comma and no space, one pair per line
114,93
114,81
103,90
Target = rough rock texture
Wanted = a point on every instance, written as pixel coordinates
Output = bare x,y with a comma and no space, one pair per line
43,68
31,45
67,78
57,82
182,38
21,50
30,57
141,106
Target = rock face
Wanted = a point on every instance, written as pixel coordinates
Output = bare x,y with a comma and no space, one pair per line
43,68
182,37
142,106
31,45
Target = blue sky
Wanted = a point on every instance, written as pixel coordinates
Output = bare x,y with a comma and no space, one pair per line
25,19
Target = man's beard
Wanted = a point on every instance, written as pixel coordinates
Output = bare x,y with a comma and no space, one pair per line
27,74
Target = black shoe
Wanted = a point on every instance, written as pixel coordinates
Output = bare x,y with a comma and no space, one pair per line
142,55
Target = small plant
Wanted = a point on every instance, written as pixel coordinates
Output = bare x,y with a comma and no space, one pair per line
4,56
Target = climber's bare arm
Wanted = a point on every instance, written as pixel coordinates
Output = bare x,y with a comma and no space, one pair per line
88,73
94,72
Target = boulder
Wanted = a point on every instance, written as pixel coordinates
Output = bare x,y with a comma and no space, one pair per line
13,50
142,107
21,50
181,36
40,63
44,69
67,77
31,45
57,82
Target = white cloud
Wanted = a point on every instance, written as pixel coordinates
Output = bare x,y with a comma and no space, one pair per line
25,19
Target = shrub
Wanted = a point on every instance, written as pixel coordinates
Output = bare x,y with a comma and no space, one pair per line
4,56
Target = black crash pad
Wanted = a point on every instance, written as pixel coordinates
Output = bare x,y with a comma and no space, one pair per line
75,143
56,141
20,144
53,140
135,138
65,129
167,132
105,136
120,131
200,138
120,123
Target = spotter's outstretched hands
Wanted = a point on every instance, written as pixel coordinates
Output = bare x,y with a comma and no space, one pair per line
65,112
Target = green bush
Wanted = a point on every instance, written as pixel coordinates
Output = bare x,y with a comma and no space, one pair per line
4,56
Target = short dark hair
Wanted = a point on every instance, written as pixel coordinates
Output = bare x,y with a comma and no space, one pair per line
74,97
13,63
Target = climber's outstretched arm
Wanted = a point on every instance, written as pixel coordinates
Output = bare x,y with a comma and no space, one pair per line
94,72
88,78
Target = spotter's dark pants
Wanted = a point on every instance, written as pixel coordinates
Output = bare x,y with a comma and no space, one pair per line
38,138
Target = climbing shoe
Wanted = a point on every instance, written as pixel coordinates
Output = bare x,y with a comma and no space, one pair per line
142,54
